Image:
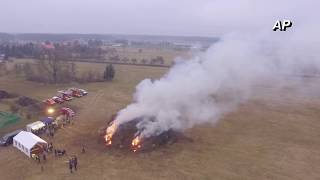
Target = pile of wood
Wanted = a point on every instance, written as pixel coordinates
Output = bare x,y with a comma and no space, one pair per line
126,132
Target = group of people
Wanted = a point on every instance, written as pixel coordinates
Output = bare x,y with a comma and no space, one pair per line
37,158
50,130
50,147
73,163
62,121
59,152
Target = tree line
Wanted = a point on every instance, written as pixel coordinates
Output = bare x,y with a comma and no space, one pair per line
44,72
71,51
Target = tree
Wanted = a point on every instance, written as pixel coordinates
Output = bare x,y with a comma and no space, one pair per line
54,62
73,70
6,52
125,60
157,60
18,69
28,71
3,68
134,60
144,61
109,72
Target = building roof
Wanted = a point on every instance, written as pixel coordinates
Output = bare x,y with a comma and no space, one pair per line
13,133
28,139
36,125
48,46
47,120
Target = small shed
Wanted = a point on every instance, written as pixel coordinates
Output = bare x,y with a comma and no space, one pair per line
29,144
35,126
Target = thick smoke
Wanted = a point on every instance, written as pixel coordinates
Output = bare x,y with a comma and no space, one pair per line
205,87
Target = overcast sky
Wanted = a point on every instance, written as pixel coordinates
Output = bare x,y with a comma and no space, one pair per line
152,17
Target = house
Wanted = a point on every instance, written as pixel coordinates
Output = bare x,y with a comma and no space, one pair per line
48,46
29,144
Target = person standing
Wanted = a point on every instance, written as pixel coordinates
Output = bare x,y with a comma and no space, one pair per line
70,165
50,147
38,158
44,157
75,162
47,131
83,149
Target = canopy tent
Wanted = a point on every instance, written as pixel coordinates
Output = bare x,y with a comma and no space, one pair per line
35,126
47,120
28,143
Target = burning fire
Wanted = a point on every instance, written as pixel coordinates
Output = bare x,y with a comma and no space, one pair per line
109,133
136,144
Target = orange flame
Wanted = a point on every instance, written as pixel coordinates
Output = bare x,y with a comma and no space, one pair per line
136,144
109,133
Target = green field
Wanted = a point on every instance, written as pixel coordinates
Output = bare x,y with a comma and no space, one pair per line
7,119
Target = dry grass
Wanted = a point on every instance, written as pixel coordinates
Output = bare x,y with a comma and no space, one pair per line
275,135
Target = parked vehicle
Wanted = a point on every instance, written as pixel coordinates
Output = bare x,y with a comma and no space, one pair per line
8,138
75,92
67,112
83,92
64,95
49,102
36,127
58,99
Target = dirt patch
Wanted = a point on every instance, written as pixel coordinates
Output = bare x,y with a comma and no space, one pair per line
26,101
6,95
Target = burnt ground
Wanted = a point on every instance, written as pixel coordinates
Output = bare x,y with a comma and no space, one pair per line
274,135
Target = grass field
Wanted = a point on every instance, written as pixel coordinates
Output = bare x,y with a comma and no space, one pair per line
275,135
168,55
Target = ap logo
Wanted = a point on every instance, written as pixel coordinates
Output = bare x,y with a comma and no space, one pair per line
282,25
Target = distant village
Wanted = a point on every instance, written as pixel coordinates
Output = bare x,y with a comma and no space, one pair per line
91,48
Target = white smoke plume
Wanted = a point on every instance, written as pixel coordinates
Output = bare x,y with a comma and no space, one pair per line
210,84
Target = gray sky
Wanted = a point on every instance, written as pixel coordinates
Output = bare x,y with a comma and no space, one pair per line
153,17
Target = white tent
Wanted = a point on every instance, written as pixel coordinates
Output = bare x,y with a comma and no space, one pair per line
35,126
28,143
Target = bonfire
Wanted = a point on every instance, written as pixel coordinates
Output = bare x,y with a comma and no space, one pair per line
127,136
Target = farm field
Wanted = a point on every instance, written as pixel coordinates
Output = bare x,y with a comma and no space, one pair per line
168,55
274,135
